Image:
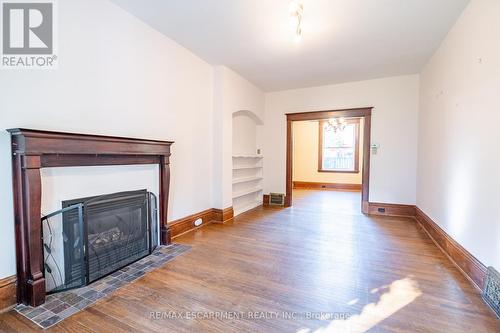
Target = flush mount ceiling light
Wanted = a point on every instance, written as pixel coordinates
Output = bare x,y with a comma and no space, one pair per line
296,11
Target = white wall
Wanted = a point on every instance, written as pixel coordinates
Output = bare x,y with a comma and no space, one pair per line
306,155
458,178
394,127
122,79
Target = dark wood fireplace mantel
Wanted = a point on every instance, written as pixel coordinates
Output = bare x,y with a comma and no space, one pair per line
35,149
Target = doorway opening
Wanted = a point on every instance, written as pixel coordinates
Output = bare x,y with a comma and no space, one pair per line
350,158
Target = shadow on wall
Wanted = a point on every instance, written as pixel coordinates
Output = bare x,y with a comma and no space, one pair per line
245,132
249,114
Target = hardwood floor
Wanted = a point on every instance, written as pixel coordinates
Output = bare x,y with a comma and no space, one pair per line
320,257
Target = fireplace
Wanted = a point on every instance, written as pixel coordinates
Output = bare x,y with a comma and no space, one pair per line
99,235
33,150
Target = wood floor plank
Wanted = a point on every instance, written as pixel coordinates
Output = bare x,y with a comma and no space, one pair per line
318,259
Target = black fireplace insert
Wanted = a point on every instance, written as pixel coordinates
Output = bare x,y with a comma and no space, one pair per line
100,235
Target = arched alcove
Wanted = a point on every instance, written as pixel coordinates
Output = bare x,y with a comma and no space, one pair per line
247,162
245,132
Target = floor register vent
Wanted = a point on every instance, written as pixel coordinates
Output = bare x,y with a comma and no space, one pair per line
491,293
276,199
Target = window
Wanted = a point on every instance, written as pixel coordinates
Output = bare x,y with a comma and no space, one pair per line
339,151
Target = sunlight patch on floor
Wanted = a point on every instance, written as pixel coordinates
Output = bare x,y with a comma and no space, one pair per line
400,293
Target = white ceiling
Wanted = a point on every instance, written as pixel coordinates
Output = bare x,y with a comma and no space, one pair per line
343,40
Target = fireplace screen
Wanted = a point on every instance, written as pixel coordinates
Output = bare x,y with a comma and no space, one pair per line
93,237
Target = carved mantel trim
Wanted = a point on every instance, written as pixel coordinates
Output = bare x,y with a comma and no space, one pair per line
36,149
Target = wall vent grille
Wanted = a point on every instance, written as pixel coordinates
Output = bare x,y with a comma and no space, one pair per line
491,293
276,199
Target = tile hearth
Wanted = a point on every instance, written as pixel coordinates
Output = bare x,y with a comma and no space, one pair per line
61,305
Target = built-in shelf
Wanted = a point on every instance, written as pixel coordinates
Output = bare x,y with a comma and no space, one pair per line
245,192
247,206
246,167
244,180
248,156
247,178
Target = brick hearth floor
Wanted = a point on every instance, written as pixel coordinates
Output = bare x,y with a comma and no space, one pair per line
61,305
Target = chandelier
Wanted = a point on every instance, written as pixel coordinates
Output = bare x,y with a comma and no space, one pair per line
336,124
